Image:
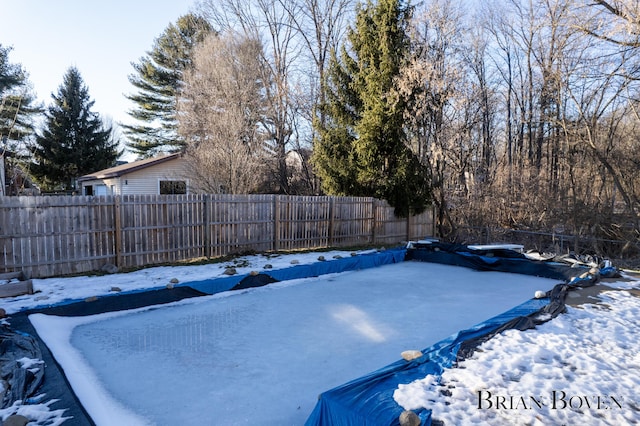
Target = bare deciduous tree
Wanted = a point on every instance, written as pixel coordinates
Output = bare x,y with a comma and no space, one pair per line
614,21
297,36
220,111
267,21
431,83
320,26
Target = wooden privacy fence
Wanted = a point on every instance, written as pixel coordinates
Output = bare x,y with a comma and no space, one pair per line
52,236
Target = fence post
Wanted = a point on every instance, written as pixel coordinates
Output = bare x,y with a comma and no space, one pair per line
276,222
434,213
409,224
118,231
332,209
206,213
373,221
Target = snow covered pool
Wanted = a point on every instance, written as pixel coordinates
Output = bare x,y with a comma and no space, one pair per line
263,355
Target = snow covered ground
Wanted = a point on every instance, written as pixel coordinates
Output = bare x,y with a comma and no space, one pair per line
583,367
55,290
571,357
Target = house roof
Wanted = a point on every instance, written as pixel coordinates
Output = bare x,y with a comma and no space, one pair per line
118,171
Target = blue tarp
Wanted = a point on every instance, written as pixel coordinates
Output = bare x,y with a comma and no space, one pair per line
369,399
364,401
54,384
352,263
499,260
146,296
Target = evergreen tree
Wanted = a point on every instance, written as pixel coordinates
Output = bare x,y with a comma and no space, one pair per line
74,140
158,78
361,149
17,108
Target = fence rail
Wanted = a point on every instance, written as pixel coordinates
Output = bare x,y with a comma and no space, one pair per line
52,236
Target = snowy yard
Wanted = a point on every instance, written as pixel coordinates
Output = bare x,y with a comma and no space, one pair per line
262,356
582,367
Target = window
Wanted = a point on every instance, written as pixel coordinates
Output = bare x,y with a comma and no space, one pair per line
100,190
173,187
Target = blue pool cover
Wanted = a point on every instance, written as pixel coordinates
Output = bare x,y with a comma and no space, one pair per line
352,263
52,381
369,400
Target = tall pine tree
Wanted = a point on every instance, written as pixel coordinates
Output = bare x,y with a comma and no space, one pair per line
74,140
361,146
17,103
158,78
18,110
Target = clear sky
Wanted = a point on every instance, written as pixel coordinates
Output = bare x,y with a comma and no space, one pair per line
100,38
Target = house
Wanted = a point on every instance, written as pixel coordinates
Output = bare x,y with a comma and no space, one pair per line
160,175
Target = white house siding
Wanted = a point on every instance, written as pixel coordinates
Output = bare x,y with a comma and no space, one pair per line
143,181
147,180
107,183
